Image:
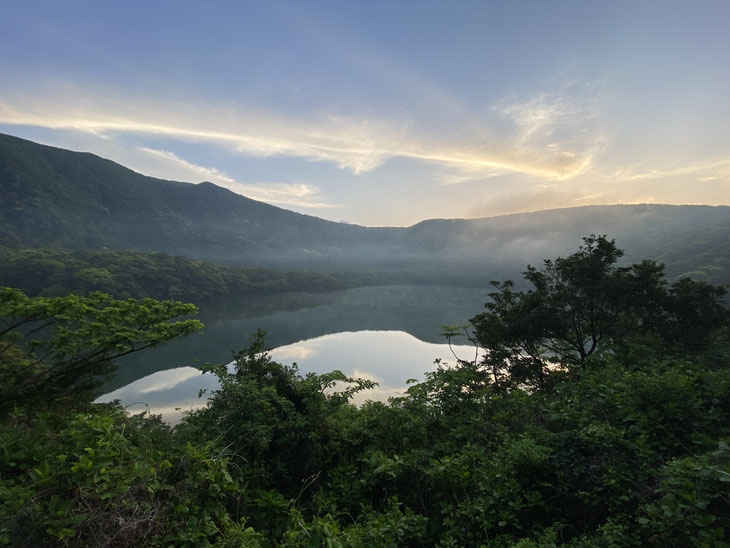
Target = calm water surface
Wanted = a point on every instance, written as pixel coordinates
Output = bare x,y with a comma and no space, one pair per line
388,334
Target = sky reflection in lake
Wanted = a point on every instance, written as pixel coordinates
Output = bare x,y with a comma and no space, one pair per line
387,357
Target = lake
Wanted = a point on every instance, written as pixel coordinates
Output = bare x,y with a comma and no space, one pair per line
388,334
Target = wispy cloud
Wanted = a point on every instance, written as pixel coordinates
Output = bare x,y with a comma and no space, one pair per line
712,169
544,114
360,144
559,127
290,194
198,173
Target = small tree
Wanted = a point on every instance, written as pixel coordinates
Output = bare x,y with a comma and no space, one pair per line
584,302
51,347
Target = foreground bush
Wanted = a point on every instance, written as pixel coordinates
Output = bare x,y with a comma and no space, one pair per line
624,444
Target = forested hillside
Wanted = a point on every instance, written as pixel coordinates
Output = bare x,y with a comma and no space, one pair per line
56,198
599,416
80,201
57,272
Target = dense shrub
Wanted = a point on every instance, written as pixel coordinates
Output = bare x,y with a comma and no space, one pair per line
625,445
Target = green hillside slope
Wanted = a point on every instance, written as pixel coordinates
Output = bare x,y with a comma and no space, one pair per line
76,200
57,198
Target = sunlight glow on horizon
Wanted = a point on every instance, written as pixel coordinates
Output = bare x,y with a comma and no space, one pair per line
340,111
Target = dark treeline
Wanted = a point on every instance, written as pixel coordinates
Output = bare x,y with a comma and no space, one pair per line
123,274
599,416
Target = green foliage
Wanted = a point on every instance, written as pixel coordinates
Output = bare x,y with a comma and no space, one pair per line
102,478
64,346
585,303
694,504
627,446
278,423
392,527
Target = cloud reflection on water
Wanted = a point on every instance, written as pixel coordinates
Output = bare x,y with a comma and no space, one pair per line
387,357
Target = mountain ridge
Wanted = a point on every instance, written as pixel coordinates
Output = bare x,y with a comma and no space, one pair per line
210,185
52,197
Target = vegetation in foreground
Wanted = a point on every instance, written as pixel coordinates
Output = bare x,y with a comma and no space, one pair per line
600,416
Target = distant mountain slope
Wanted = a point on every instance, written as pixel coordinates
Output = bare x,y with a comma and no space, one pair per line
686,238
57,198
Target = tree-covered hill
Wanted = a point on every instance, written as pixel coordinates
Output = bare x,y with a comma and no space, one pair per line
123,274
54,197
57,198
688,239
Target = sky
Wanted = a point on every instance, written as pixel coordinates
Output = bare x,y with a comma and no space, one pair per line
381,112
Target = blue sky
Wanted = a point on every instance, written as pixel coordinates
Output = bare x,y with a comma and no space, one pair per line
385,113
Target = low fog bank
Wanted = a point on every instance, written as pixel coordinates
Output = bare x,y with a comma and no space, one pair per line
691,240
